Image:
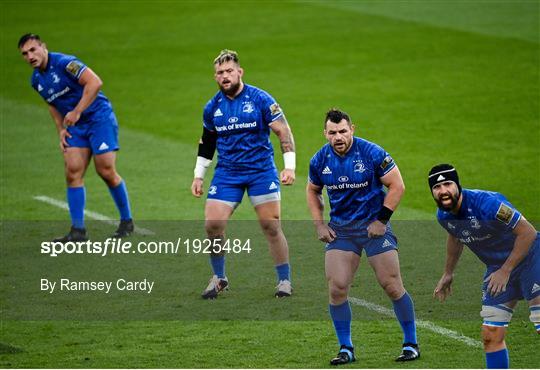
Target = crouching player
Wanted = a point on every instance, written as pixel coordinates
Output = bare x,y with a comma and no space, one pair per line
504,240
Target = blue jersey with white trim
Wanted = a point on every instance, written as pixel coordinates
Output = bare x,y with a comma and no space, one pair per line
59,86
242,125
484,223
353,182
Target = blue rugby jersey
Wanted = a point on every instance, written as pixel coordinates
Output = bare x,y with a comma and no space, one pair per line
353,183
243,129
484,223
59,86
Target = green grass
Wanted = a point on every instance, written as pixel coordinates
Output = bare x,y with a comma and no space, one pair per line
431,82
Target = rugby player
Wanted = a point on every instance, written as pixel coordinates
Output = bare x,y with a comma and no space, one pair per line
354,171
237,121
503,240
86,126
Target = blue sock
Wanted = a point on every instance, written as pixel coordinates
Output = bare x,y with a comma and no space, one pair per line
341,316
218,265
404,309
283,272
120,196
498,360
76,198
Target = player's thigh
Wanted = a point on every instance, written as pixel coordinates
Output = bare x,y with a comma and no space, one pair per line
76,160
529,278
105,161
340,266
269,211
386,267
216,210
103,134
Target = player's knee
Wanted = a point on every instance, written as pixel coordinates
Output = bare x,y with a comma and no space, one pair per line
73,175
337,290
393,288
107,173
492,336
271,228
214,228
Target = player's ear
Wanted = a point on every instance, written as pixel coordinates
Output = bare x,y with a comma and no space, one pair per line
240,71
352,128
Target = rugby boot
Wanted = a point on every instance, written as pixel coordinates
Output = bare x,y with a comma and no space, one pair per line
75,235
215,286
410,352
125,228
344,356
284,289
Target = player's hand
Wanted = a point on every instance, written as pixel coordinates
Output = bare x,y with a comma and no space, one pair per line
444,287
287,176
376,229
197,187
71,118
63,143
497,282
325,233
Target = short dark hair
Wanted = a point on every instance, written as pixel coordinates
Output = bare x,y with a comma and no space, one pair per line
336,116
225,56
29,36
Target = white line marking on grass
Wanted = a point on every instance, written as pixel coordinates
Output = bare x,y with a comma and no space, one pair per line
89,214
421,323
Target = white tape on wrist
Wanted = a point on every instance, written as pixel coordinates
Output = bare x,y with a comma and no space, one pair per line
289,158
201,166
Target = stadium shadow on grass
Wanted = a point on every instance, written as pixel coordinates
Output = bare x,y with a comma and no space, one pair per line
161,276
8,349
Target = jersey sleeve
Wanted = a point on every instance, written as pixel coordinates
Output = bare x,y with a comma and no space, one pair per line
72,66
271,110
500,211
382,161
208,116
314,172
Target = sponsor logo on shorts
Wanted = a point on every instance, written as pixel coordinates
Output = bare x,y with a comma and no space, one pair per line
212,190
386,244
535,288
103,146
272,186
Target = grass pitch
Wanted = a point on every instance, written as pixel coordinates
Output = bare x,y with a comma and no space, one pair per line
429,81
